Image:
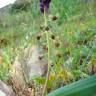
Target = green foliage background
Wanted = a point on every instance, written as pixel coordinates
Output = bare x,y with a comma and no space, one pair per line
75,30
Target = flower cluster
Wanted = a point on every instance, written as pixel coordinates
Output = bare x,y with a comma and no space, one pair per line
44,5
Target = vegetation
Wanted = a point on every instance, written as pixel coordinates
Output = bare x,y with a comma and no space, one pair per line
80,88
70,43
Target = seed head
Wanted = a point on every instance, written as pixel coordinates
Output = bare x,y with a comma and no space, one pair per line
47,28
58,54
52,37
54,18
57,44
40,57
45,47
38,36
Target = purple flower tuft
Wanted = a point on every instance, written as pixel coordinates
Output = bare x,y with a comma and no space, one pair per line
44,5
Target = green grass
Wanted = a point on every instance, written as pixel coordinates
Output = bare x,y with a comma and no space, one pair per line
75,30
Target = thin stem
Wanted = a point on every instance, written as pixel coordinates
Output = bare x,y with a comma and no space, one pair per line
48,43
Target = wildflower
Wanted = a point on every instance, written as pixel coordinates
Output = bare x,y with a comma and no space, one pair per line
44,5
62,73
93,61
51,77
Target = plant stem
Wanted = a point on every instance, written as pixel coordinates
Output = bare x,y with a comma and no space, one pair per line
48,43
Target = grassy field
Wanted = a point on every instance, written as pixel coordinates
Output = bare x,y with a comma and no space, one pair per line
71,26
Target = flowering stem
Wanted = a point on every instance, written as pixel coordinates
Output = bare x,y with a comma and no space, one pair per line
48,43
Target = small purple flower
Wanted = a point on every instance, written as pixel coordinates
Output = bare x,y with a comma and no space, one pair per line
44,5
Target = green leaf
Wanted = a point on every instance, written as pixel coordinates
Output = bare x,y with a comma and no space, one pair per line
85,87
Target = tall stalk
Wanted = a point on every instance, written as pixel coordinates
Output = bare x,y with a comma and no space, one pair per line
48,44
